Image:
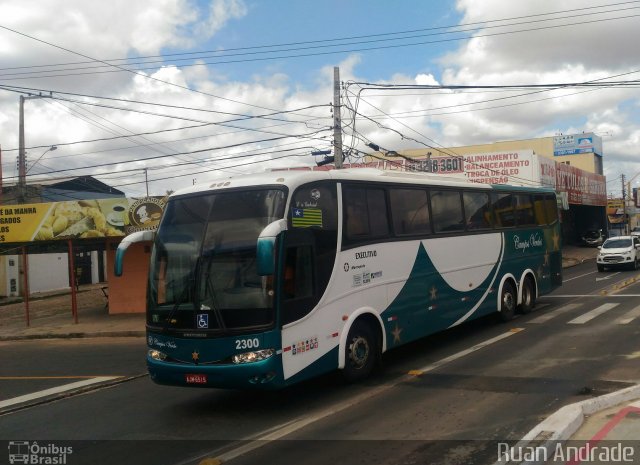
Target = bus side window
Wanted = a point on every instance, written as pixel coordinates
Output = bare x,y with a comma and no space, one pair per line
410,211
357,218
538,208
366,214
477,210
524,210
551,208
446,210
503,210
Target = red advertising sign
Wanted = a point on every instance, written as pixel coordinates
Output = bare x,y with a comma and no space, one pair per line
583,187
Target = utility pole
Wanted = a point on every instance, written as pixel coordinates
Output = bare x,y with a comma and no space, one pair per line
146,181
22,162
624,205
22,158
337,122
633,205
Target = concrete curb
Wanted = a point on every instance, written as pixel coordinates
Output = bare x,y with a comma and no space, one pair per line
562,424
78,335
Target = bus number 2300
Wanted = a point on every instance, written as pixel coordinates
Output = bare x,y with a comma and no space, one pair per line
247,343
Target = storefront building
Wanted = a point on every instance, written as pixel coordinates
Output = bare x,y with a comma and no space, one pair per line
50,246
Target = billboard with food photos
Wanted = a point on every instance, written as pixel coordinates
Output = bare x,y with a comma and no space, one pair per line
79,219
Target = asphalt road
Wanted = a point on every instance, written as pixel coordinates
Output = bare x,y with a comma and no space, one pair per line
469,388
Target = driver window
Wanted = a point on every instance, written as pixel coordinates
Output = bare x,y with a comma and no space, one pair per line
297,279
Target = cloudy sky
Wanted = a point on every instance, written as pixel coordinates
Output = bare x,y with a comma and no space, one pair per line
195,90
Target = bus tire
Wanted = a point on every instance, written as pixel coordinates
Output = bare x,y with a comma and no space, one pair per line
360,352
508,299
528,296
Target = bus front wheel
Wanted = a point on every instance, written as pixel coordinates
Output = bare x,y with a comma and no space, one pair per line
360,353
508,301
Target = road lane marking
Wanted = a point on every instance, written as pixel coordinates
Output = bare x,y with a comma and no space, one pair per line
56,390
464,353
592,314
609,276
630,316
547,316
576,277
261,439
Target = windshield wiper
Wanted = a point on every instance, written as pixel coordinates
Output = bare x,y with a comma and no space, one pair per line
210,291
189,284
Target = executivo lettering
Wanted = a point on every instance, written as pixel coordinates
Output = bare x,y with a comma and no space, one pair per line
366,254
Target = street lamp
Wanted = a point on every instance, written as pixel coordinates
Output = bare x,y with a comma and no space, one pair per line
50,149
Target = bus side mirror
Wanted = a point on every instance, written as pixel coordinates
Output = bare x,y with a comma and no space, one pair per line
140,236
266,246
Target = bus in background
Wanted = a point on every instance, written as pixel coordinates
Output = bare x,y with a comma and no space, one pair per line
266,280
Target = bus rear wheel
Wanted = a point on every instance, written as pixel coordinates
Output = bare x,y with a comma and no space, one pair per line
508,301
361,352
528,296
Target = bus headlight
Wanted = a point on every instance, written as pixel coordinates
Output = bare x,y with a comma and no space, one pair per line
157,355
255,356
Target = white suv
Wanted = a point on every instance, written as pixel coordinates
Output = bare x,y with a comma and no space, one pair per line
619,251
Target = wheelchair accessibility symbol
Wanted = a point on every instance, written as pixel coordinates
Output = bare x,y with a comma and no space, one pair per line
203,321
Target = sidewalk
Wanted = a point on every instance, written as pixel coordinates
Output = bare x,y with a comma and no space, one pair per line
50,316
591,432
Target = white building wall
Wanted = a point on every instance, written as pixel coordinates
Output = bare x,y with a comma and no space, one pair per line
95,269
48,272
13,275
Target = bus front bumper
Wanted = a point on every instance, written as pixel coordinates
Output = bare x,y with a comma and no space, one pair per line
265,374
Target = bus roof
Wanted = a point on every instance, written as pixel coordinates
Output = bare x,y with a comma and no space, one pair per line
295,177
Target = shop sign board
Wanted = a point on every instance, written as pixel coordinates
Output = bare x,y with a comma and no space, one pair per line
583,187
615,211
79,219
516,167
573,144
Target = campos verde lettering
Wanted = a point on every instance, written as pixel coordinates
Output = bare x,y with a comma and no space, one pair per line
525,244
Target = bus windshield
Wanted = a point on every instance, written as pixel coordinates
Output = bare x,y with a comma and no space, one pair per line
203,265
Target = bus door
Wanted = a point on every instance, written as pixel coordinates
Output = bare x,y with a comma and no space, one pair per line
297,276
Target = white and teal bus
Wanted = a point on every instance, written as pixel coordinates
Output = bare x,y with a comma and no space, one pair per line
270,279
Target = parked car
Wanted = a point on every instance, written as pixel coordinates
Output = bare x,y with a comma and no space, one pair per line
635,232
593,237
619,251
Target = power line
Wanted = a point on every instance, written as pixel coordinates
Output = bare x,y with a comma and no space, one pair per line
241,116
134,72
306,45
201,123
131,136
138,71
217,169
103,165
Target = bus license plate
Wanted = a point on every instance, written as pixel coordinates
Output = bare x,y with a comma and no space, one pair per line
196,379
